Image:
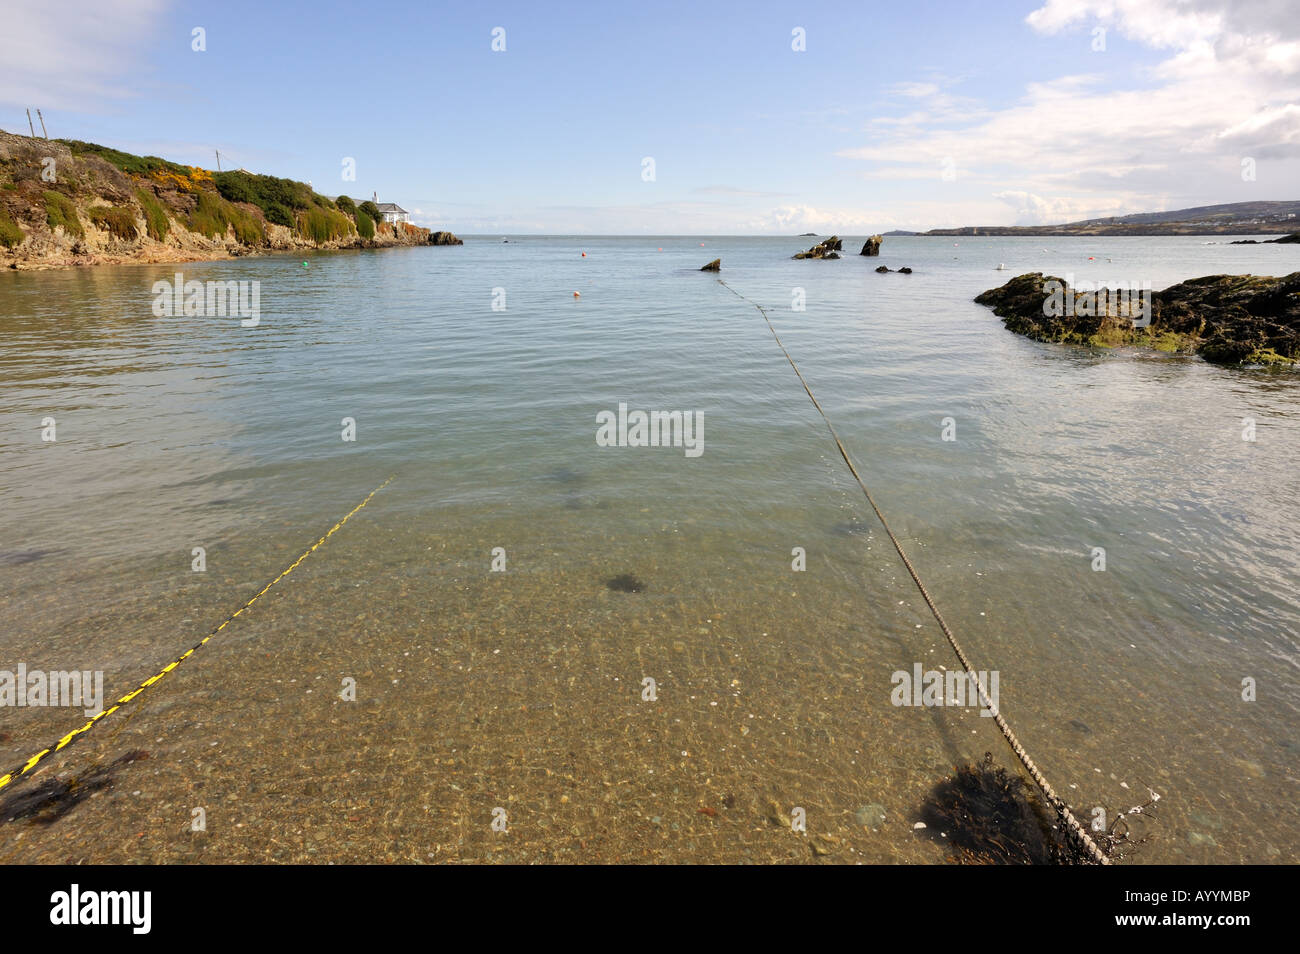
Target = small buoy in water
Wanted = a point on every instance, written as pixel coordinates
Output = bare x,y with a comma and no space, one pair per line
304,264
1091,259
661,248
584,254
576,295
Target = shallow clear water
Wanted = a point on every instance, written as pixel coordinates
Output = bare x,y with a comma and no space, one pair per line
523,688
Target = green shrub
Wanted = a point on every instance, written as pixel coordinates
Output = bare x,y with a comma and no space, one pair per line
365,225
371,210
345,205
209,216
265,191
118,220
323,225
137,165
248,229
212,215
155,215
10,233
279,215
60,211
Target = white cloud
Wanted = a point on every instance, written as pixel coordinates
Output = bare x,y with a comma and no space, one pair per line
1032,209
72,55
1092,144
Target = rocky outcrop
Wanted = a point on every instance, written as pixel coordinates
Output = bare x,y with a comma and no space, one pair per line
1293,239
713,266
72,203
1226,319
872,245
825,249
905,270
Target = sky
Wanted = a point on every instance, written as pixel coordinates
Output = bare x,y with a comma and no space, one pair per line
677,118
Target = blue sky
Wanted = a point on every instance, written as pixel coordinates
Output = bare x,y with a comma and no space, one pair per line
909,115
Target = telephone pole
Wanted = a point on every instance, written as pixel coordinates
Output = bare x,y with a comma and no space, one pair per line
29,123
42,119
218,152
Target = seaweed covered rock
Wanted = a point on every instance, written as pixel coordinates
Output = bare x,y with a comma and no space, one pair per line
713,266
1292,239
1227,319
872,245
823,249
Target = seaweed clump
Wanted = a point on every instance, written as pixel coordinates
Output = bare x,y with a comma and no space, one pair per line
987,815
52,799
625,583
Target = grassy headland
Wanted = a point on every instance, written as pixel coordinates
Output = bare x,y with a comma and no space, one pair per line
68,202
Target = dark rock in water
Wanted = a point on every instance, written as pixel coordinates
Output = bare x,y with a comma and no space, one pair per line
19,557
1080,726
443,238
713,266
882,268
1226,319
872,245
625,583
807,234
1293,239
831,255
565,476
823,249
850,528
905,270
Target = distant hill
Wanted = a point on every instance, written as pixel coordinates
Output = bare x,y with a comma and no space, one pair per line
1233,218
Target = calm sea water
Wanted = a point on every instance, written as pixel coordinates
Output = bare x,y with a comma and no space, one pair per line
175,433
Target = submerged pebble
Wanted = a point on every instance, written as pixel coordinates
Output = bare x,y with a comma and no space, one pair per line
871,816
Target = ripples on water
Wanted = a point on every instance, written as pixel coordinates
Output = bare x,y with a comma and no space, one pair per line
181,432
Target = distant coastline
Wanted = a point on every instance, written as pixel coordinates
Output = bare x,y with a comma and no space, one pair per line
1233,218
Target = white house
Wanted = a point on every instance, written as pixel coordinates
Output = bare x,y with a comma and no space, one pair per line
392,212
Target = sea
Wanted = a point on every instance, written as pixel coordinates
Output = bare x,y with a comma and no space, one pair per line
535,644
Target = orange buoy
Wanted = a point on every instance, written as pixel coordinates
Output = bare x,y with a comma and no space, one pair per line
576,295
584,254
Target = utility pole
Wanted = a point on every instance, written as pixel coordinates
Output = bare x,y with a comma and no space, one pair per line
218,152
42,119
29,123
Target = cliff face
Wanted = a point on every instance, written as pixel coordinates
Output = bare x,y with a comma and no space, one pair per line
68,203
